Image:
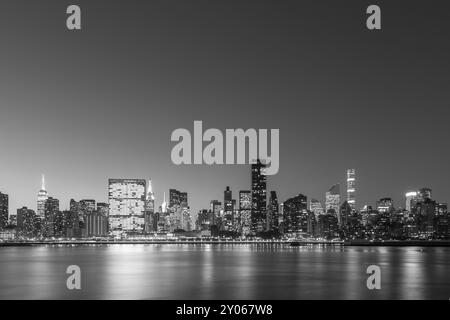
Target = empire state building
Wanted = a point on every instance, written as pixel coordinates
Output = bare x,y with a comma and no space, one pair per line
41,199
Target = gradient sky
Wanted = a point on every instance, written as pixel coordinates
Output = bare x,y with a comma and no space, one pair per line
102,102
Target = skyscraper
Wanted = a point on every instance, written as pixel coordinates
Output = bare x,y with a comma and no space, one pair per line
385,205
178,211
259,197
50,214
150,215
273,212
164,204
41,198
25,222
351,188
425,193
412,198
126,201
4,210
315,206
215,208
345,212
295,215
333,198
245,211
228,208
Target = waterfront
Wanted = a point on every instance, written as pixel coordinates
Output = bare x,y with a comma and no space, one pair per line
233,271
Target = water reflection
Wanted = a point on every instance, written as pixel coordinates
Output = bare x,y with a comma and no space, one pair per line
258,271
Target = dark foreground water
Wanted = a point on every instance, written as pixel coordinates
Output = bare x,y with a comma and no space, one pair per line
224,272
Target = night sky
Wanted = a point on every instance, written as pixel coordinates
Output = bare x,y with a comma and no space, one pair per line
85,106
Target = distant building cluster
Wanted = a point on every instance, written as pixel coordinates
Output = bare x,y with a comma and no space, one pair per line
130,212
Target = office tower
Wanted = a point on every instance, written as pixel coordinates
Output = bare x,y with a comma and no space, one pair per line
96,224
51,216
150,215
272,212
295,215
259,195
425,193
328,226
315,206
245,211
385,205
73,222
345,212
183,197
215,207
41,198
126,199
26,222
412,198
281,218
4,210
179,217
203,222
150,199
351,188
228,208
12,220
164,204
186,219
442,221
227,200
177,198
425,213
59,225
87,206
333,199
174,197
103,208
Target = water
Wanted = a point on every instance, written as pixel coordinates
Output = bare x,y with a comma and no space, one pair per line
224,272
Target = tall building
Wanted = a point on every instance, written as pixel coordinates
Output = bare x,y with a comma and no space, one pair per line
228,200
315,206
126,199
87,206
333,198
102,208
425,193
385,205
151,218
215,208
412,198
96,224
26,222
41,198
50,216
259,197
4,210
351,188
228,210
179,217
273,212
245,211
295,215
345,212
164,204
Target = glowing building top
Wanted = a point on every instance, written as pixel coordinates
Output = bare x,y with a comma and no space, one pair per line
41,198
351,188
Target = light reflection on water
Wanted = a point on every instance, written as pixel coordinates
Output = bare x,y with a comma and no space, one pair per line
257,271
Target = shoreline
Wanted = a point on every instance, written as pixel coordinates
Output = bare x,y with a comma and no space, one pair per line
354,243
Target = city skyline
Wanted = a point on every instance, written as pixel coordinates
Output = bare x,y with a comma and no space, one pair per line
43,195
85,106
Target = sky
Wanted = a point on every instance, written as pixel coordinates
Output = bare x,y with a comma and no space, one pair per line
84,106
